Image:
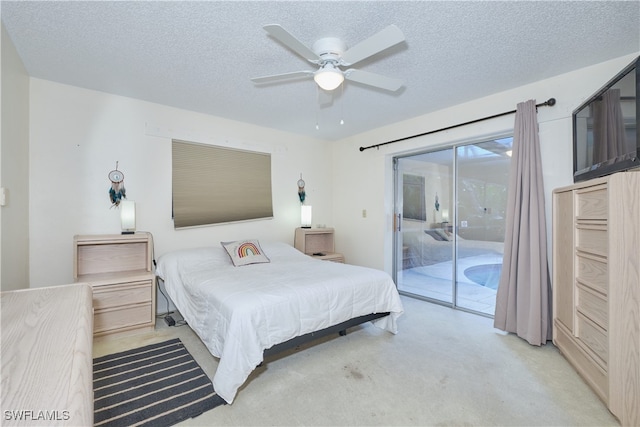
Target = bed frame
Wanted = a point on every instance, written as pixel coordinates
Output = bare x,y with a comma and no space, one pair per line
340,328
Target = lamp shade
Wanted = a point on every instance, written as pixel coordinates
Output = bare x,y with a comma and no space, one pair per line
305,216
328,77
128,216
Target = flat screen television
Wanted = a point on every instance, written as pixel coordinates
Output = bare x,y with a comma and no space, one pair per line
606,138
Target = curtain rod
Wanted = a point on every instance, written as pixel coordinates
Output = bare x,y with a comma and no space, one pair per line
550,102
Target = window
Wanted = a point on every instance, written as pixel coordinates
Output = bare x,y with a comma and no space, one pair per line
213,185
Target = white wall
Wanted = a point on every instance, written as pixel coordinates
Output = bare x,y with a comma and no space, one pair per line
78,135
363,180
14,152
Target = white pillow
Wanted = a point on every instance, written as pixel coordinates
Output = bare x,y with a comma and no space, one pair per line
244,252
187,258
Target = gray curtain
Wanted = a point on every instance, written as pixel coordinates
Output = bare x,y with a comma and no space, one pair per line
608,127
523,299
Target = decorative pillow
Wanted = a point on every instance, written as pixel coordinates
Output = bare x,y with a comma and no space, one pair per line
443,233
244,252
436,235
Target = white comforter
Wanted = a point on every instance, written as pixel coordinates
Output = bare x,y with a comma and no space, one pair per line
238,312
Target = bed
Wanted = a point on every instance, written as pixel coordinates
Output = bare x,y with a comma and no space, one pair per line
434,246
241,312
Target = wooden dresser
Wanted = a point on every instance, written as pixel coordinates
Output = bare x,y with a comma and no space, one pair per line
596,287
46,352
118,268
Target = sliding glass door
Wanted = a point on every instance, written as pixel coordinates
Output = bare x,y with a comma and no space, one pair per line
449,230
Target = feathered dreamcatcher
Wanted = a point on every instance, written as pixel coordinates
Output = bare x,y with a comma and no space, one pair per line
301,193
117,192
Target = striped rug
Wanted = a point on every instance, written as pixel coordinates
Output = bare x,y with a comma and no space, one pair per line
159,384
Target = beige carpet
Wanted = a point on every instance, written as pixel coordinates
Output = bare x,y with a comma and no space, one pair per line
444,368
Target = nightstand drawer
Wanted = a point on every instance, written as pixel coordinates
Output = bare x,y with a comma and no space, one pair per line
122,317
119,269
107,296
333,257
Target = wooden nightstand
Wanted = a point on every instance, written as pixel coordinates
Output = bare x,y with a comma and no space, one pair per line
118,268
315,241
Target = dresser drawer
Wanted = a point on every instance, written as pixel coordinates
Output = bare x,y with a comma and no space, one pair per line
593,306
593,272
119,294
592,239
592,203
594,338
583,362
122,317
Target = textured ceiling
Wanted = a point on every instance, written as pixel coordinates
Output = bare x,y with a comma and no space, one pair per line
200,56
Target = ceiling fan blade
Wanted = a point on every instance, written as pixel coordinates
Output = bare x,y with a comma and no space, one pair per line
282,77
373,79
291,42
380,41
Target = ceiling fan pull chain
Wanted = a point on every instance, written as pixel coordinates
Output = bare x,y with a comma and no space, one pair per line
317,106
342,104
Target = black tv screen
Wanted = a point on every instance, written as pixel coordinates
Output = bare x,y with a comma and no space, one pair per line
606,138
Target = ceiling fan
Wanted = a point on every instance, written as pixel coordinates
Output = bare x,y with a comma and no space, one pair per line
331,55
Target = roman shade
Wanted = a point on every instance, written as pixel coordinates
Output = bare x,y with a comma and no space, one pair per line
213,184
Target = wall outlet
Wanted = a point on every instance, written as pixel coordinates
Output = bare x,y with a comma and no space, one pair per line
464,224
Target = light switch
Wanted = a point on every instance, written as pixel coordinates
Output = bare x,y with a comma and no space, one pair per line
364,213
3,196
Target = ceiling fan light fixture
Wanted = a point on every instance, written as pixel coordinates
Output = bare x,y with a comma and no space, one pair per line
331,53
328,77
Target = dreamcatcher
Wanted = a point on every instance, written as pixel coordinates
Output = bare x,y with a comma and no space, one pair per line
301,193
117,192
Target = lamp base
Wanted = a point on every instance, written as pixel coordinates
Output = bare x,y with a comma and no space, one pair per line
128,232
305,226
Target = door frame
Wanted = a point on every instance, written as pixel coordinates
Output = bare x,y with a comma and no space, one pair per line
397,216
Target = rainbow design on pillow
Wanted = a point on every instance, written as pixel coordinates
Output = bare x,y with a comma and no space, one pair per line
248,249
245,252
